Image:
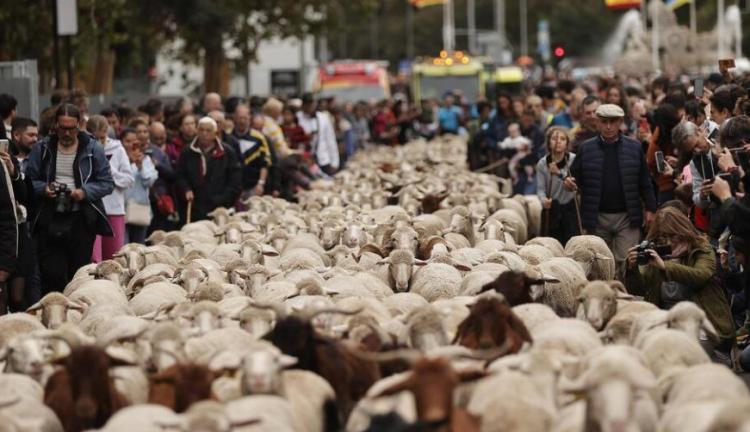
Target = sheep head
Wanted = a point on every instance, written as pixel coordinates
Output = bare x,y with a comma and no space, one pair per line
261,371
597,303
55,307
400,264
491,323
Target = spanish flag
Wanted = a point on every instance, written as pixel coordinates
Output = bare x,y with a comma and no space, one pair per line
674,4
622,4
419,4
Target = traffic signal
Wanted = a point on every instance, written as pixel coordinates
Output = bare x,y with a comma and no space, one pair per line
559,52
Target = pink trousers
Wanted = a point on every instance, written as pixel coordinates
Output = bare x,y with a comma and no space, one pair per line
105,247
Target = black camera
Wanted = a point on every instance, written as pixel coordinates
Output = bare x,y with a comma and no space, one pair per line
643,258
63,202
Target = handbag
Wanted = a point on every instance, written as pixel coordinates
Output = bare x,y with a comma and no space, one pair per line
137,214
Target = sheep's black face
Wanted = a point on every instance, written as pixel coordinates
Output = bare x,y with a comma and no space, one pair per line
295,337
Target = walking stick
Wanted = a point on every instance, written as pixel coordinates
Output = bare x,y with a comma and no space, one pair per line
578,213
546,212
189,211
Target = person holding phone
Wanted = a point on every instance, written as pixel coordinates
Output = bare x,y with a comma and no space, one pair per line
661,154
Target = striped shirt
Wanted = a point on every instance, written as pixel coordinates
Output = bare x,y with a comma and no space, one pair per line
64,170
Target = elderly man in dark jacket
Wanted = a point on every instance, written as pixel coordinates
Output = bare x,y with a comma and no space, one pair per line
208,173
615,186
70,175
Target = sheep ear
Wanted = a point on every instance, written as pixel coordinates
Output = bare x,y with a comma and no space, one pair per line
121,357
549,279
419,262
74,305
4,352
269,250
624,296
577,386
384,261
287,361
461,266
34,308
598,256
465,376
617,286
395,388
710,330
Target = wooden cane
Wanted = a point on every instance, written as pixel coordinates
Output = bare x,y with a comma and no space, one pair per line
189,211
547,211
578,213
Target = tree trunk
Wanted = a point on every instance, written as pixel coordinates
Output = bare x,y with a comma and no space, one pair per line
216,72
104,70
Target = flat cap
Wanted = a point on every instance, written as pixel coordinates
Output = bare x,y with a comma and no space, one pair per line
610,111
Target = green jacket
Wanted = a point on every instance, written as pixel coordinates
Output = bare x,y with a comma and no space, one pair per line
697,274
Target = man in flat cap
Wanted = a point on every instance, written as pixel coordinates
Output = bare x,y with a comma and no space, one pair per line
617,197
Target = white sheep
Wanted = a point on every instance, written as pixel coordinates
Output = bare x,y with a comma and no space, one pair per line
667,350
594,256
597,302
550,243
561,296
534,314
17,324
535,254
436,281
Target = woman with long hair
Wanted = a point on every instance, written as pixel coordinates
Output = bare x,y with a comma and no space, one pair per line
687,273
558,202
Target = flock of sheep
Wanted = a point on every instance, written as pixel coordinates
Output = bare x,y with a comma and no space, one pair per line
409,294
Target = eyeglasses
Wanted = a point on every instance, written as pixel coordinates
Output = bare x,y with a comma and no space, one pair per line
67,130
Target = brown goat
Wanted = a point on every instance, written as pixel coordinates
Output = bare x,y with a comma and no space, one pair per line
431,202
83,394
515,286
492,324
349,376
181,385
432,382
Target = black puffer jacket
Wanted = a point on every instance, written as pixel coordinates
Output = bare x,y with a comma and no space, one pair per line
588,170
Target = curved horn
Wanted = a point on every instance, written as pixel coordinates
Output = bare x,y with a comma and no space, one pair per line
276,308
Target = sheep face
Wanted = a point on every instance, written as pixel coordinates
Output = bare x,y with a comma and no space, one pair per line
330,235
491,324
405,238
354,235
256,324
400,264
27,355
261,371
206,320
165,353
54,307
597,304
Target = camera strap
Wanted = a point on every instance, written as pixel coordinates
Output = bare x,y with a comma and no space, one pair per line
9,185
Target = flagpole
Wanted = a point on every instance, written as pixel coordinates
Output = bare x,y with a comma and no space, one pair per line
449,35
693,23
655,35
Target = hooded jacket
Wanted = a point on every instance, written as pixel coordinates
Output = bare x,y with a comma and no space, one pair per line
92,174
122,174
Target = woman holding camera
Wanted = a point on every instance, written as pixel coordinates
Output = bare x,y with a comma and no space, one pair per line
558,202
685,274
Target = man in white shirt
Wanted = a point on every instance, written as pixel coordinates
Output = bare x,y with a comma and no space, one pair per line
322,136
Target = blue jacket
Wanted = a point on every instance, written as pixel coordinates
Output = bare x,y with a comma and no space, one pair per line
92,174
588,167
